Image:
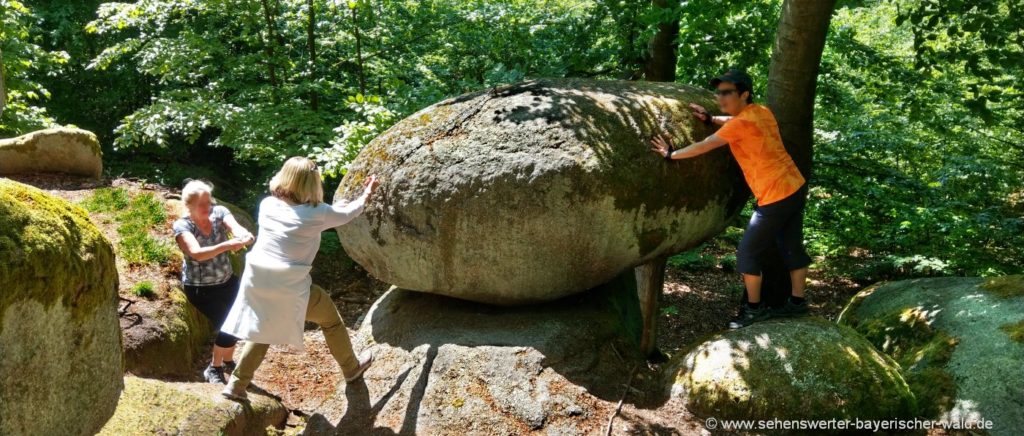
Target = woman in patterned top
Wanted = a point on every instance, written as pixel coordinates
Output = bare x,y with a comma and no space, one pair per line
210,285
752,134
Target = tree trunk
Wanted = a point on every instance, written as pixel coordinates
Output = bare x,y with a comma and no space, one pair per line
792,79
650,278
268,50
660,65
311,43
793,74
359,50
3,89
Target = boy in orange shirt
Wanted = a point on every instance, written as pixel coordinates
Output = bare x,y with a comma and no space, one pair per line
780,190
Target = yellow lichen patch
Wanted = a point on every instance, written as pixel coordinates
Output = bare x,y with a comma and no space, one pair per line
1015,330
1006,286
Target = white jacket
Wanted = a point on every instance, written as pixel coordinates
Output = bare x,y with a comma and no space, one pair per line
274,287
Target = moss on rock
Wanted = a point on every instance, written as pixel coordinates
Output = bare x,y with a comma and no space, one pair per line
806,368
1005,286
60,345
39,232
952,340
157,407
56,150
175,337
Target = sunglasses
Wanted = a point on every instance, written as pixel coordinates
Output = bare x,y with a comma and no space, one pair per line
724,92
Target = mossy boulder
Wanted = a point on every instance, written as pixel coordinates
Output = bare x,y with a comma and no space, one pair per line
537,190
805,368
449,366
57,150
958,341
60,345
168,342
157,407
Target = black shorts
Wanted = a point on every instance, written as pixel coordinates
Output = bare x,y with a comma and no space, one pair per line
214,302
780,222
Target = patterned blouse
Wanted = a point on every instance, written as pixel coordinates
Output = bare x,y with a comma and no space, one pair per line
212,271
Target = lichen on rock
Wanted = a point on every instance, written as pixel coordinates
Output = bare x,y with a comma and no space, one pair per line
805,368
157,407
957,340
537,190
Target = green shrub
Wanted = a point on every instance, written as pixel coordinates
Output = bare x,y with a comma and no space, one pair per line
144,289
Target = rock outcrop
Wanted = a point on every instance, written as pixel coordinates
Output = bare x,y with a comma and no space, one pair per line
805,368
156,407
450,366
60,345
537,190
959,340
57,150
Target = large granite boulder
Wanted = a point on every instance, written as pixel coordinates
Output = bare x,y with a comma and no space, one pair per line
804,368
450,366
57,150
155,407
60,345
959,340
537,190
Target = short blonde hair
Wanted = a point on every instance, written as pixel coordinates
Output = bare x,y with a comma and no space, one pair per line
298,181
193,189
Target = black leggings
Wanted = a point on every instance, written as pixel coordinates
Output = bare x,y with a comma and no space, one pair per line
214,301
780,222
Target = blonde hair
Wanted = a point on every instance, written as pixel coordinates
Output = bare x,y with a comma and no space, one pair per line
193,189
298,181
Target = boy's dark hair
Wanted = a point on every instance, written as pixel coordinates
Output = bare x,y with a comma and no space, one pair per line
740,79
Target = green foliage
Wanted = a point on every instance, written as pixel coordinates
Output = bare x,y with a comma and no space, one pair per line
908,179
136,216
330,245
24,62
144,289
919,153
693,260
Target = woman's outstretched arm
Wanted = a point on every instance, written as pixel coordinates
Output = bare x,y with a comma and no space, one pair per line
343,212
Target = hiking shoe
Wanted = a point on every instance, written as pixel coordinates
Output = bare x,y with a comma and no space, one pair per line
232,392
365,360
214,374
229,366
748,316
791,309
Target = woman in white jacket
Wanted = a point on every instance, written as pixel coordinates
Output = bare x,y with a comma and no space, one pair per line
276,295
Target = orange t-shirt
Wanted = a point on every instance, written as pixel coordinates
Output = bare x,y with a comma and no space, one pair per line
754,139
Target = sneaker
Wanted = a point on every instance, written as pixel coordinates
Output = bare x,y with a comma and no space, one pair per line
232,392
214,374
791,309
748,316
365,360
229,366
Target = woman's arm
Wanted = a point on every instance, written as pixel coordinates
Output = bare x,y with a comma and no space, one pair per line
238,230
343,212
190,246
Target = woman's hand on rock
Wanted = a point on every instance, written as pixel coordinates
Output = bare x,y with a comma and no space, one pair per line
370,184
